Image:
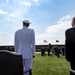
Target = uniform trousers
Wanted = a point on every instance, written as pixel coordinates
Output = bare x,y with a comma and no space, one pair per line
27,64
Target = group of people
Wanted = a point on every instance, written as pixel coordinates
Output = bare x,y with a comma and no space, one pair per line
24,42
56,50
43,49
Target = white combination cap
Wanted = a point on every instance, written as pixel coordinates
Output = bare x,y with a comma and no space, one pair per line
26,21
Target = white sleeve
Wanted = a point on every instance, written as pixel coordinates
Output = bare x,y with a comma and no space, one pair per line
33,43
16,43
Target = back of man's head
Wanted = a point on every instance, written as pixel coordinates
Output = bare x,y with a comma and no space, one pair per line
26,23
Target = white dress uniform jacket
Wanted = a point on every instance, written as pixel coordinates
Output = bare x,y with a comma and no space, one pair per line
25,42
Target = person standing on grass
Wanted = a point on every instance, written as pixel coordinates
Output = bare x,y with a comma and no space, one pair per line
49,49
70,46
24,42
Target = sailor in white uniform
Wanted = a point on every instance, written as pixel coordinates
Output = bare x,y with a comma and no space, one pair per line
24,43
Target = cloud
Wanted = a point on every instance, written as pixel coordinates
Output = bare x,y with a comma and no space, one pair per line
12,15
7,1
30,3
60,27
2,12
6,13
66,17
37,2
9,16
55,32
26,3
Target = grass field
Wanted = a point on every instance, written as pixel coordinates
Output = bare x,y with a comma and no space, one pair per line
50,65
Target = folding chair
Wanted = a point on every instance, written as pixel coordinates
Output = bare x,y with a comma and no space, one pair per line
11,63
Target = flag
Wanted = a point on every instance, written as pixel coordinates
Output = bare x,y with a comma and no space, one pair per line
57,40
45,41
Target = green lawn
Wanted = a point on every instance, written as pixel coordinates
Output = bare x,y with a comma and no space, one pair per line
50,65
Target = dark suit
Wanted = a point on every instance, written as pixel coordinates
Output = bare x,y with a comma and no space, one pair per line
49,50
70,47
42,51
63,51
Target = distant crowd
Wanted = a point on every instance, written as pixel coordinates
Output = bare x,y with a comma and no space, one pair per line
56,50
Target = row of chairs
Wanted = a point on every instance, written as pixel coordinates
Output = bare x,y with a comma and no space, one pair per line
11,63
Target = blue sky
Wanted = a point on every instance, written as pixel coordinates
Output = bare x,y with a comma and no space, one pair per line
49,18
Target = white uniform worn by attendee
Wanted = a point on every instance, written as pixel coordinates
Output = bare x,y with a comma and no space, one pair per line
24,42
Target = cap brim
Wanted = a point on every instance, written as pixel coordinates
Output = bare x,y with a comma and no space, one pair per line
26,22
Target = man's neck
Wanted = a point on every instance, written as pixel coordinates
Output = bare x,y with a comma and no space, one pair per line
24,26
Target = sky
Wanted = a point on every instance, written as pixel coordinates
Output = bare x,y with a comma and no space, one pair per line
49,18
